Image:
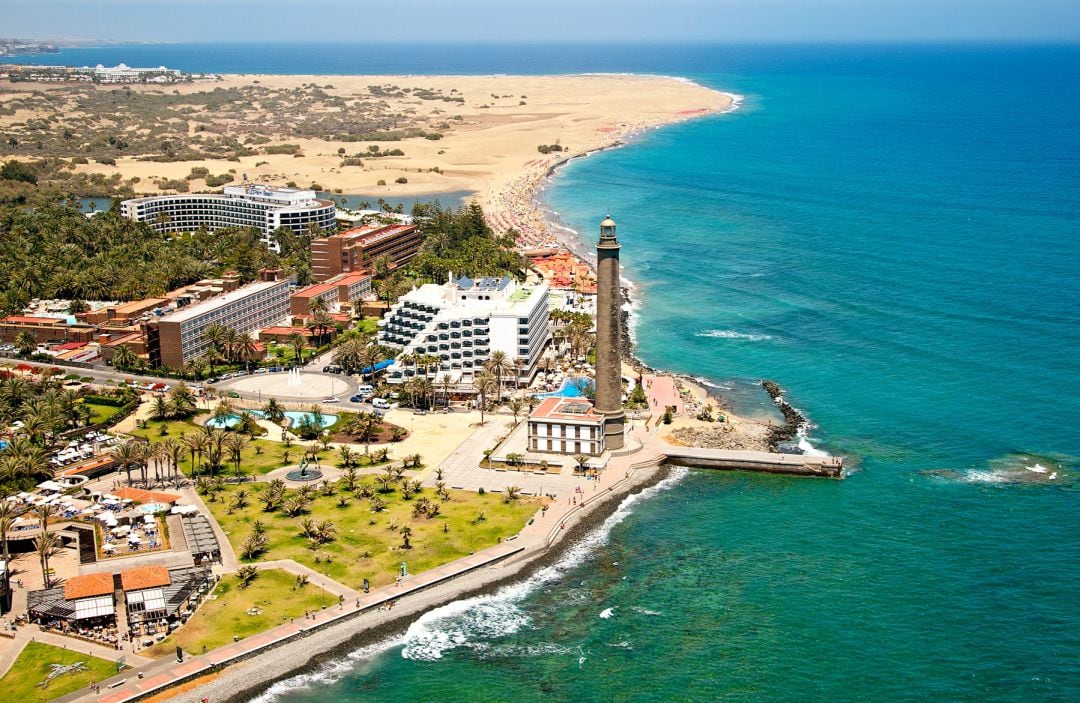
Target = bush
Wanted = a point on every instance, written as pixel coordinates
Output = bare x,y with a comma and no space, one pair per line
381,182
352,161
401,179
293,149
107,160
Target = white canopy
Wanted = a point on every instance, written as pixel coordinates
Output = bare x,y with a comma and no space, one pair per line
50,486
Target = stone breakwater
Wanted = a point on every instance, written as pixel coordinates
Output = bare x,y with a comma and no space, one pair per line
793,419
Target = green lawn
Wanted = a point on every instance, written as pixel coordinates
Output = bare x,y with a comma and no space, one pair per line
33,666
260,457
102,413
365,546
273,592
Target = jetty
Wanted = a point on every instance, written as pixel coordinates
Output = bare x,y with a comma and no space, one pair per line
761,462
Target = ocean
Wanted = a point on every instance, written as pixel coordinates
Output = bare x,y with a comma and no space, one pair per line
890,233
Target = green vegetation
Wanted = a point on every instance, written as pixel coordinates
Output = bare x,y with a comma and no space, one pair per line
102,413
45,409
33,666
269,599
54,251
354,534
461,241
211,456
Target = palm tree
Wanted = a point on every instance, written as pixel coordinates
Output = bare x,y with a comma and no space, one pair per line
45,544
364,425
25,343
298,344
215,336
196,443
124,358
446,383
318,305
516,405
406,532
8,514
160,408
320,324
246,348
236,443
126,454
173,450
145,452
498,364
485,384
273,411
349,354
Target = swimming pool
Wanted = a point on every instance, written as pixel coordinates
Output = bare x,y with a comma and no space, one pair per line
294,418
151,508
570,388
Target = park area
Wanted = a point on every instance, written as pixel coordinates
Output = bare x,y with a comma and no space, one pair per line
338,534
233,609
36,662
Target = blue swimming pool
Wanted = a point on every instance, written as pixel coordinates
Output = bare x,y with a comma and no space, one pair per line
570,388
294,418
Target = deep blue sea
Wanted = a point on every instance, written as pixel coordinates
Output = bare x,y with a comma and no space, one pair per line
891,233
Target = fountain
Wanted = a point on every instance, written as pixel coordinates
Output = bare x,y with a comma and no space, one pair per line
305,473
294,378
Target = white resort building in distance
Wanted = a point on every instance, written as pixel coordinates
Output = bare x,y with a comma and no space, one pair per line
463,321
248,205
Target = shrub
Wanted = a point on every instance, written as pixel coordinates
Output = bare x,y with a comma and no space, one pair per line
381,182
401,179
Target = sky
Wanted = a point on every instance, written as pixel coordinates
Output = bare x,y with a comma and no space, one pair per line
543,20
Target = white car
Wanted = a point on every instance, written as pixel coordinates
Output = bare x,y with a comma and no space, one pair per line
330,399
381,403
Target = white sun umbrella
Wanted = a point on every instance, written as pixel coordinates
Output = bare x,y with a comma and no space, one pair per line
134,538
148,519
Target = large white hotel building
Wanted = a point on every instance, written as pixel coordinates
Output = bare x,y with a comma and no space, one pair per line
463,321
262,207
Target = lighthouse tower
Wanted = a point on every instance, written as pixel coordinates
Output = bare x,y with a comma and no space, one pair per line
609,336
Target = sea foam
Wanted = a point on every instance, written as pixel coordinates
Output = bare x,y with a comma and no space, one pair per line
734,334
465,622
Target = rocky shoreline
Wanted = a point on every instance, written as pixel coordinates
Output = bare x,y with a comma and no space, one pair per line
793,419
246,680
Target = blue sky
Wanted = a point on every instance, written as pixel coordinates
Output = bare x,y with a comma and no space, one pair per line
544,20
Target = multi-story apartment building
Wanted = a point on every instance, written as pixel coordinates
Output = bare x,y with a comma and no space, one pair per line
566,426
179,337
262,207
357,248
344,288
463,321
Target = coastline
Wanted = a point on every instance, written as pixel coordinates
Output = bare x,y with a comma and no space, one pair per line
254,678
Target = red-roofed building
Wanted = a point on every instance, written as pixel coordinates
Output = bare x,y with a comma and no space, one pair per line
88,586
566,426
44,329
355,250
343,288
144,577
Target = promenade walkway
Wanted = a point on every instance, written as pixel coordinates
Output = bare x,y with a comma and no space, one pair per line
147,677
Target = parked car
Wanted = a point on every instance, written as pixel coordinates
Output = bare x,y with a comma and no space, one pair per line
381,403
356,399
330,399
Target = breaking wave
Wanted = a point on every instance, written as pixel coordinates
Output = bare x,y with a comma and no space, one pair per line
733,334
468,622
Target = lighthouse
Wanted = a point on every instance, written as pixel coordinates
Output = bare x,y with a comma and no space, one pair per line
609,336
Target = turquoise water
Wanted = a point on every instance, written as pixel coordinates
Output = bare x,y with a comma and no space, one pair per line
294,417
888,232
570,388
891,235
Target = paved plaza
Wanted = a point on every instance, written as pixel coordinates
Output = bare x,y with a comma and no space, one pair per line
305,386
